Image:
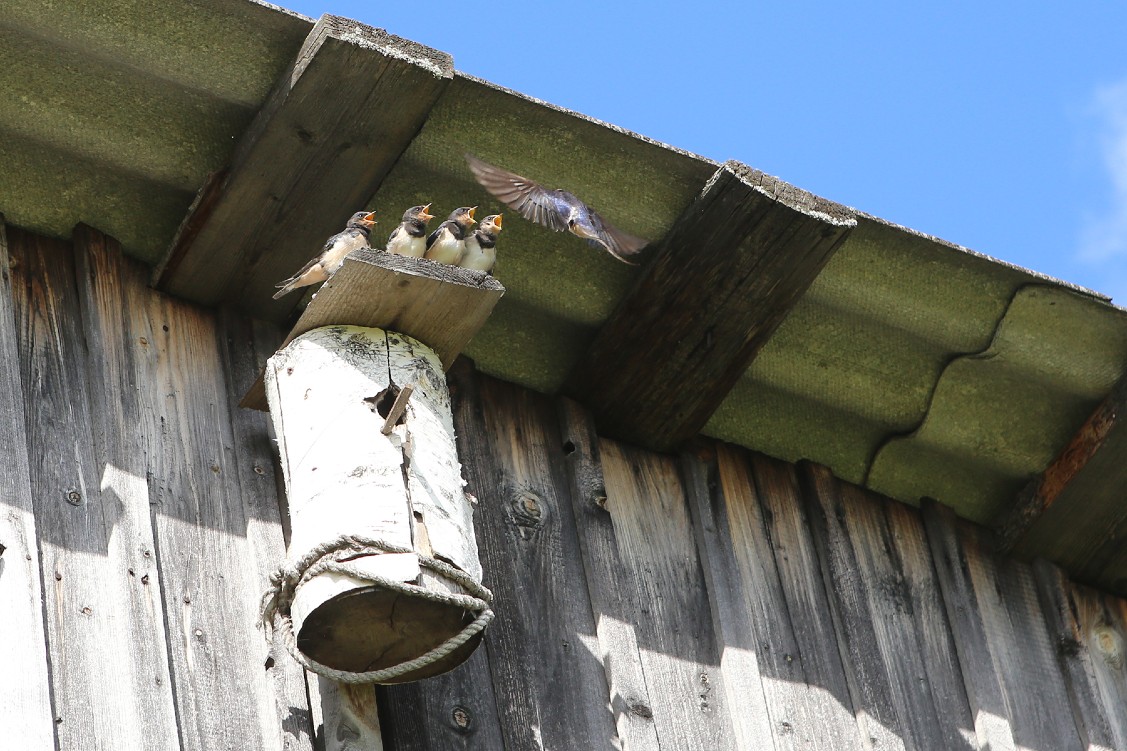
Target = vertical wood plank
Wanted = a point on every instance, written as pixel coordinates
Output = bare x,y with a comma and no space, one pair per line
748,614
829,700
455,711
543,651
875,610
980,678
804,684
25,700
860,650
244,347
1090,634
1019,650
224,696
103,601
907,548
615,607
679,654
1023,652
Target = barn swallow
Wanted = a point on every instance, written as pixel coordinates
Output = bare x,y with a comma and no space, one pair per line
410,237
354,237
556,209
481,245
447,243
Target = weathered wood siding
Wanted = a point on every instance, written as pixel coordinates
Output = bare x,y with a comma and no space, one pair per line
155,510
724,600
711,600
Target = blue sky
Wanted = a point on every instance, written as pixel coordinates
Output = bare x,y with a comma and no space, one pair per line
999,126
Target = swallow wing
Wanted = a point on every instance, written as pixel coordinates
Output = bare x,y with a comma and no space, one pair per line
619,244
304,270
527,198
433,236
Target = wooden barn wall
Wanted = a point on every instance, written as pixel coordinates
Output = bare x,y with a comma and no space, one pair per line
721,599
717,599
140,514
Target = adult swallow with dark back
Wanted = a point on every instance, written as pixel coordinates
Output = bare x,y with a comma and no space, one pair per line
447,244
481,245
354,237
555,209
410,237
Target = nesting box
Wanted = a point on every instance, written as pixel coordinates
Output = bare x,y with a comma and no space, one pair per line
365,434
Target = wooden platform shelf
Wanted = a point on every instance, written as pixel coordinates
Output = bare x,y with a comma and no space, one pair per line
442,306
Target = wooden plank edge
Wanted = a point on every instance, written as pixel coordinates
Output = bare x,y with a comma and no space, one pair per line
29,692
255,397
1042,491
198,213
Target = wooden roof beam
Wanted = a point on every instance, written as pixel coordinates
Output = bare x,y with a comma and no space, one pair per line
1086,475
727,273
331,130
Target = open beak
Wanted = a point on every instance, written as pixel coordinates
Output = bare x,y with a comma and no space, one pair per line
425,214
497,221
472,210
370,218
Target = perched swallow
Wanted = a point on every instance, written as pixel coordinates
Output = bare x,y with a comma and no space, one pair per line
481,245
447,243
556,209
354,237
410,237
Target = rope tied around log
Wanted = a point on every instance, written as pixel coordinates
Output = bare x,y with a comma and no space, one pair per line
325,558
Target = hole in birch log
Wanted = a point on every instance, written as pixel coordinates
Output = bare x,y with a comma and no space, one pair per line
382,402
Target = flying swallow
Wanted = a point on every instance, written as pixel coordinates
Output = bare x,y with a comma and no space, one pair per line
410,237
354,237
481,245
447,243
555,209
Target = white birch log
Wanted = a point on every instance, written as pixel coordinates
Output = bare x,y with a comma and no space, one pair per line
345,477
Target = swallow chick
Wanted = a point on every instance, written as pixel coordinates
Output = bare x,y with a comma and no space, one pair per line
410,237
555,209
354,237
447,244
481,245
